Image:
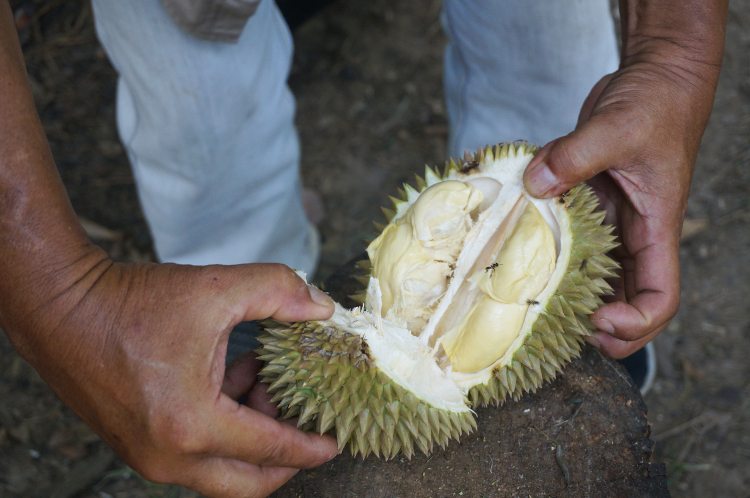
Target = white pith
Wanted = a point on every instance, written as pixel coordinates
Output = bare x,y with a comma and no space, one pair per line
399,355
417,362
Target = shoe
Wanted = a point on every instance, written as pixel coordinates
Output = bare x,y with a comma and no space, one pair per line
641,366
313,206
312,247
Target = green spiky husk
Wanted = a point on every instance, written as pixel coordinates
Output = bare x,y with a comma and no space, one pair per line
326,378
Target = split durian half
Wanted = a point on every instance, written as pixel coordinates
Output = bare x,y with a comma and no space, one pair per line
476,292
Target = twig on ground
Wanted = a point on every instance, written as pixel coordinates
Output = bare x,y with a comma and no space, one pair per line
544,434
609,362
562,464
712,417
395,119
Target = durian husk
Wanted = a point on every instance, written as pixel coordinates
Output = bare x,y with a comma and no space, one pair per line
366,408
372,412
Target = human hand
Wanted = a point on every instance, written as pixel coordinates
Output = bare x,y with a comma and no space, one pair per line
138,352
636,143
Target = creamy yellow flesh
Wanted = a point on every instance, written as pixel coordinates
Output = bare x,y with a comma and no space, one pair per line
508,286
413,258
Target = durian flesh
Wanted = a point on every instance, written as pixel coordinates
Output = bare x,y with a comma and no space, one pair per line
507,286
477,292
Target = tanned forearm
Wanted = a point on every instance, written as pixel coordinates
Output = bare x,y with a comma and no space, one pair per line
684,36
43,249
694,26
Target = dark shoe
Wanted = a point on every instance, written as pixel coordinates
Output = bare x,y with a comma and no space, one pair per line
641,366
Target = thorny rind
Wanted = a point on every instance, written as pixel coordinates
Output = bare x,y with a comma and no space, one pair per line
367,409
297,366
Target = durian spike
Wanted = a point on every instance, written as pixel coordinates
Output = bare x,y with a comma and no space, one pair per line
431,176
389,213
358,298
363,280
503,151
450,165
365,264
489,156
411,193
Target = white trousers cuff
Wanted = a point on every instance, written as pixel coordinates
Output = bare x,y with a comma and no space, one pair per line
209,130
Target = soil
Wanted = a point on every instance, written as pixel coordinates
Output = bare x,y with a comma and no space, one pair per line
368,79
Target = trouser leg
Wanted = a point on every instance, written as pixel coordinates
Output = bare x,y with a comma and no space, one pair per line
209,131
521,69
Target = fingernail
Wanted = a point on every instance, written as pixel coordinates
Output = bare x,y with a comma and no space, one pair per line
594,341
604,326
319,297
540,179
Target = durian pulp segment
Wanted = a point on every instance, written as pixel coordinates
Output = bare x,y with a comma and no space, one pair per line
399,354
414,256
504,290
478,254
442,301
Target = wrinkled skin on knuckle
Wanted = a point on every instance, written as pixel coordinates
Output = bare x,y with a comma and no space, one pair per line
174,433
279,276
154,468
277,451
213,480
290,278
673,305
186,440
566,160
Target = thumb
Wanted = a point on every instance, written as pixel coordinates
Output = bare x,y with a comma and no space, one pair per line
584,153
266,290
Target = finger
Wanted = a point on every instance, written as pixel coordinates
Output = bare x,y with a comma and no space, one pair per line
259,399
617,348
274,290
226,478
241,374
650,281
244,434
600,143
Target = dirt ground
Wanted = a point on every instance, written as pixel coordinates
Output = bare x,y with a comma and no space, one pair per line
368,78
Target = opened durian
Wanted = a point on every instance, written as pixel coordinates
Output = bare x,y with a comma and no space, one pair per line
477,292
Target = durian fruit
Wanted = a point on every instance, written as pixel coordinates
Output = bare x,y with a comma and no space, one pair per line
476,292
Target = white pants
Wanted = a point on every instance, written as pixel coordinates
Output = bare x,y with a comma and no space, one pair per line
209,131
521,69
